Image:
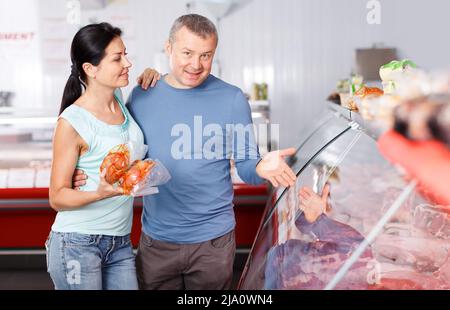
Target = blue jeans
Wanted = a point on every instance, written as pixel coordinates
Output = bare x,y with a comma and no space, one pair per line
90,262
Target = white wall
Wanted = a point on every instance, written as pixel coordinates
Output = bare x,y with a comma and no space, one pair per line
302,47
37,71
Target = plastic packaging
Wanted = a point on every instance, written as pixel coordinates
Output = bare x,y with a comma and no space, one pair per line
137,177
116,163
143,177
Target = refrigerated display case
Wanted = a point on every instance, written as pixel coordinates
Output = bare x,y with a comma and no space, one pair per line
375,231
26,216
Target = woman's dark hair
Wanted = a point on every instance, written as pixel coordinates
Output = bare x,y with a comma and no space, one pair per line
88,45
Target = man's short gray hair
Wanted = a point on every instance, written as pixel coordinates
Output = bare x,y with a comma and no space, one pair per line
195,23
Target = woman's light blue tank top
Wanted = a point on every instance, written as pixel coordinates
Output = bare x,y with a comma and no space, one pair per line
110,216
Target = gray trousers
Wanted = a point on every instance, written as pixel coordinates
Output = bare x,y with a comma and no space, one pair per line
200,266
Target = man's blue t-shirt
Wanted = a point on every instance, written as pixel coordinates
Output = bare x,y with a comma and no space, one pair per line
194,133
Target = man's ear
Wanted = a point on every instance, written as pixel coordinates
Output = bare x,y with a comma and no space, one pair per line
168,48
90,70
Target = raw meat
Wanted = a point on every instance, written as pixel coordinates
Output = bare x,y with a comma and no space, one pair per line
299,264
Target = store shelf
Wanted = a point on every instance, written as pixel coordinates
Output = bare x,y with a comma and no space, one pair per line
30,117
259,104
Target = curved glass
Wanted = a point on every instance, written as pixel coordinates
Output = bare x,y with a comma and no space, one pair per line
329,127
306,242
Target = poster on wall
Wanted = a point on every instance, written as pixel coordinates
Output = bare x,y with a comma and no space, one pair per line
19,56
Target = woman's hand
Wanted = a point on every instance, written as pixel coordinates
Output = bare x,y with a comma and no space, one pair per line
148,78
106,190
312,204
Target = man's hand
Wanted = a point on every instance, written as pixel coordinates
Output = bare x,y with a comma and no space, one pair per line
273,168
148,78
78,179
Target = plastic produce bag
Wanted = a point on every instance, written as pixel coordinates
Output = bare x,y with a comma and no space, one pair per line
137,177
143,176
137,151
119,159
116,163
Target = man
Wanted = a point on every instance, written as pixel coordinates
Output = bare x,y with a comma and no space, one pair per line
194,124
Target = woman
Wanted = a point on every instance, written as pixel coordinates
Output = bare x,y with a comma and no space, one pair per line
89,244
